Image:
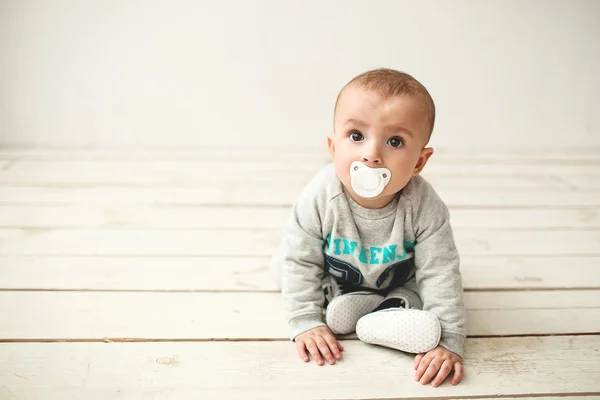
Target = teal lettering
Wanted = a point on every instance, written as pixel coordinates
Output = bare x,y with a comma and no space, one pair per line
389,253
374,251
403,255
408,245
329,244
337,251
349,246
362,256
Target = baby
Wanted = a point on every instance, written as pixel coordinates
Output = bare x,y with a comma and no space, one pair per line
368,246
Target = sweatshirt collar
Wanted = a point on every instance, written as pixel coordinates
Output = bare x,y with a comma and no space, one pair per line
370,213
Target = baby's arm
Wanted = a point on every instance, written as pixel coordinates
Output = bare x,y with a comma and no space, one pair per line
302,267
302,270
438,274
440,283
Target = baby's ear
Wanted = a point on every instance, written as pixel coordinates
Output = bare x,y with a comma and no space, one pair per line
425,154
331,145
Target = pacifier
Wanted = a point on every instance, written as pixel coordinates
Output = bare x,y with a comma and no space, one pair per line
366,181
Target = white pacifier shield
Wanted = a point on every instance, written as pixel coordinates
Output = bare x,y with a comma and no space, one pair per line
368,182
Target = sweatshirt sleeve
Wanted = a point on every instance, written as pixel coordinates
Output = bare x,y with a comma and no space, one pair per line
437,268
302,263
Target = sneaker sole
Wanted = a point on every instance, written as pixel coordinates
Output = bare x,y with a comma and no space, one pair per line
411,331
344,311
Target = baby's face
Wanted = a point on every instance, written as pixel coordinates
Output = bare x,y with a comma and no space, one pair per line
389,133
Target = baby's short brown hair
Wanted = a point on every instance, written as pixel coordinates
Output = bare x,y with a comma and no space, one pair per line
390,82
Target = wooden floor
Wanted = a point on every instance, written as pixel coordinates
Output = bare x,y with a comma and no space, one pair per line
144,276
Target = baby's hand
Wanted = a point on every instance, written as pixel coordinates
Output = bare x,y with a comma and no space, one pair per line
439,359
318,341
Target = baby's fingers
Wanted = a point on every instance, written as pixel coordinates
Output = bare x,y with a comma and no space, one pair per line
301,348
458,373
324,347
445,369
432,370
423,364
314,351
418,360
334,346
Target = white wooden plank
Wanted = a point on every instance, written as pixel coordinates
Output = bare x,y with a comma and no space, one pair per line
530,272
272,180
139,273
264,242
115,173
221,195
283,195
578,157
497,198
198,315
184,174
138,242
582,182
173,154
144,217
272,370
444,168
257,161
251,273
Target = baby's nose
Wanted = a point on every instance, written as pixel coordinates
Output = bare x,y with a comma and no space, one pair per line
371,158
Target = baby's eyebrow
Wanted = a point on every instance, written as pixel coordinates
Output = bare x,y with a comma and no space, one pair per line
399,128
355,122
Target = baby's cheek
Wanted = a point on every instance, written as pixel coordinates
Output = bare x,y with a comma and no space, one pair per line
399,181
343,172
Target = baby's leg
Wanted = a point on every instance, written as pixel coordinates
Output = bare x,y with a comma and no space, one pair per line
401,297
400,323
346,307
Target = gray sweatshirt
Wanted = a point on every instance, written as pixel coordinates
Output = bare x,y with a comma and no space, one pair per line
408,239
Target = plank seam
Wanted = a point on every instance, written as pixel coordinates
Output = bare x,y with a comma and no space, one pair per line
153,340
491,396
470,290
287,205
239,255
107,227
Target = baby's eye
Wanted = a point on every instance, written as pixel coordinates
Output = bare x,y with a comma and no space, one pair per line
356,136
396,141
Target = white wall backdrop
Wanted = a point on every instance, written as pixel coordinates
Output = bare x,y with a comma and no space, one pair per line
510,74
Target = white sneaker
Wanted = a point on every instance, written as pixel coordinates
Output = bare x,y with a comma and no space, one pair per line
411,331
345,310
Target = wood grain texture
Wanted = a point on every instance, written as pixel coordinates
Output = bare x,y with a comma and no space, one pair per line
97,315
252,273
282,195
225,242
113,251
590,181
585,157
148,217
272,370
270,173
